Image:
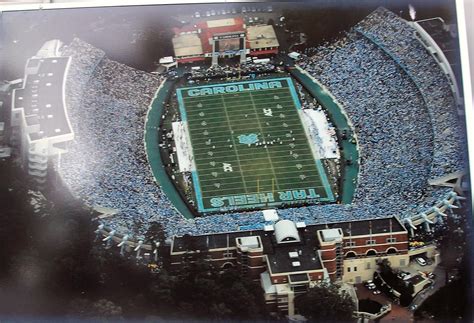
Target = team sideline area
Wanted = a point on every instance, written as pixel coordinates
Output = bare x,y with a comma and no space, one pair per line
250,147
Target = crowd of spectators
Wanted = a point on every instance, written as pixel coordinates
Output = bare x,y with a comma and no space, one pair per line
106,165
395,95
398,39
403,111
224,71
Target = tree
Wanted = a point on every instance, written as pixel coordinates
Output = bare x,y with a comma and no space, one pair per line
405,288
106,308
325,303
155,233
452,300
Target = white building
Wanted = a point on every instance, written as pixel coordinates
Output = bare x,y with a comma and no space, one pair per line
39,120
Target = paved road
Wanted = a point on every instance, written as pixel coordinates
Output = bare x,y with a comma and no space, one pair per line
439,282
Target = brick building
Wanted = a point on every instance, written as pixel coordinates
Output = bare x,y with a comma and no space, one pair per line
288,257
223,38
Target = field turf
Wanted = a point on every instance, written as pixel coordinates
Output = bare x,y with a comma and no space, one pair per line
249,146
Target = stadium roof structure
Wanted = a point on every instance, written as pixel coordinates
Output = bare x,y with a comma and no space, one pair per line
187,45
286,231
270,215
221,23
331,235
196,40
261,36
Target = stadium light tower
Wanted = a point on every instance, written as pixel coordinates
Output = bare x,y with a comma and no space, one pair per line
123,244
155,251
411,226
138,248
98,231
439,215
109,238
426,222
457,198
449,205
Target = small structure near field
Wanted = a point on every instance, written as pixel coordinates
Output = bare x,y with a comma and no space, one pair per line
223,38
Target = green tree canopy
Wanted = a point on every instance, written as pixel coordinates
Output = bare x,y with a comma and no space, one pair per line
325,303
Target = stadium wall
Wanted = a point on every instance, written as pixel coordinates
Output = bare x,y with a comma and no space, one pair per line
432,47
340,119
152,148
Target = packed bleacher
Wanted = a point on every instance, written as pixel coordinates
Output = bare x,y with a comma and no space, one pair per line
402,109
397,38
106,165
394,93
232,71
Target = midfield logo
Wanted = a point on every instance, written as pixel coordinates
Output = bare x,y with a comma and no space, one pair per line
249,139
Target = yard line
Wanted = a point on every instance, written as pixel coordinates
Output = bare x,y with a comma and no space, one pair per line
263,132
258,160
239,112
294,176
298,147
269,127
234,145
213,106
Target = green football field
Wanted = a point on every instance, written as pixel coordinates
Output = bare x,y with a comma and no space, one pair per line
249,145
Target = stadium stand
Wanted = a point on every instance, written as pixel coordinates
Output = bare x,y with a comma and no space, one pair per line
395,94
430,80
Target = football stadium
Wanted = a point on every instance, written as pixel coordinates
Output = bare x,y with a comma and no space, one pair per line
366,126
293,162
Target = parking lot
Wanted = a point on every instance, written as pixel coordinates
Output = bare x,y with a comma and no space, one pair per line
399,313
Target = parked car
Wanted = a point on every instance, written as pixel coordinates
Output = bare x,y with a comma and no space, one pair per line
370,285
402,274
421,261
376,292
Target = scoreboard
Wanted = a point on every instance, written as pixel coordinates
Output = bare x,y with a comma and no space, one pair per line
229,44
